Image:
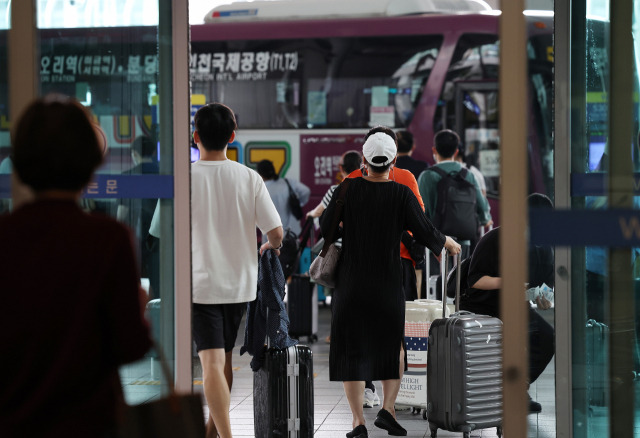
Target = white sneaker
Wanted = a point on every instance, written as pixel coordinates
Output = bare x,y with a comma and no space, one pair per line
371,398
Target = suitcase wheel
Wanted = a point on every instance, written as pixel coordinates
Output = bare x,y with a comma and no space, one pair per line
424,414
499,431
434,432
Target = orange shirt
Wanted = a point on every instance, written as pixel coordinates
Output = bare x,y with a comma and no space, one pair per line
404,177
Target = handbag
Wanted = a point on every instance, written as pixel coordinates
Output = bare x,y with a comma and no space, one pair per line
176,415
324,267
294,202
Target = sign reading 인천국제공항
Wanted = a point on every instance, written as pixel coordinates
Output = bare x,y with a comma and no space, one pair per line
241,66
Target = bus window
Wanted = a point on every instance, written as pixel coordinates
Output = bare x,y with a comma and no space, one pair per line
475,59
540,56
316,83
469,105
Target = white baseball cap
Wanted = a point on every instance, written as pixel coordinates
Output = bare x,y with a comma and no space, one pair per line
379,145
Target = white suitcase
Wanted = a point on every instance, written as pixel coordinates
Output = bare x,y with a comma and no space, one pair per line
418,317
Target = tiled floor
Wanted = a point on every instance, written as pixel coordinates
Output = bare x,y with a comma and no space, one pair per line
332,414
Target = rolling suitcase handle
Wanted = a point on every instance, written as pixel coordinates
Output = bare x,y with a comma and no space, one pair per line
444,261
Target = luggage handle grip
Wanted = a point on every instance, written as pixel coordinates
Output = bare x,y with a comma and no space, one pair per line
443,276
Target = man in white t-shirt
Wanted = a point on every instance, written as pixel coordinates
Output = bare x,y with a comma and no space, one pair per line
228,201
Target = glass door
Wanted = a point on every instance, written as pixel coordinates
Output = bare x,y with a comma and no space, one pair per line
597,228
115,72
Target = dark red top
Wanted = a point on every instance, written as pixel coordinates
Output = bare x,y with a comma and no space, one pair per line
69,316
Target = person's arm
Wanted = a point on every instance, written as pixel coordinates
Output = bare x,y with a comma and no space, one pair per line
316,212
423,229
487,282
321,207
274,240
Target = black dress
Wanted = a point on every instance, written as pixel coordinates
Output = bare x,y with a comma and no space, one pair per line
367,326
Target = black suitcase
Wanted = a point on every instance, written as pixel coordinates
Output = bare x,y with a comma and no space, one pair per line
464,371
283,394
302,307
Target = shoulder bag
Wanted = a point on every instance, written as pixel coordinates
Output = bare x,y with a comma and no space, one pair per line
323,268
170,416
294,202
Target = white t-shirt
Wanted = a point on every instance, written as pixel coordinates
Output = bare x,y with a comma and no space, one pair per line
228,201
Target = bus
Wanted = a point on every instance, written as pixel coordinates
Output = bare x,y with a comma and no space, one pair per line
307,84
306,89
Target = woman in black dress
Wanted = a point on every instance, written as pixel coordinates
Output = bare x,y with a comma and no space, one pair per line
376,211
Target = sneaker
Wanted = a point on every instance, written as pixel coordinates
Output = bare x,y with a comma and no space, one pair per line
371,398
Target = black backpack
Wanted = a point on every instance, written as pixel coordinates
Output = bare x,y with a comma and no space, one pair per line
455,213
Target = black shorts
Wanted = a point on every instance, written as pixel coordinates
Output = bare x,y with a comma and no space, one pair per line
216,325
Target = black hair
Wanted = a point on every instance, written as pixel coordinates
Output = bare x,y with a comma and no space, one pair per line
405,141
215,124
266,170
446,143
144,146
54,145
351,160
383,129
538,200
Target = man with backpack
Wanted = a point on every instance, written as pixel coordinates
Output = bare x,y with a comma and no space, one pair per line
452,198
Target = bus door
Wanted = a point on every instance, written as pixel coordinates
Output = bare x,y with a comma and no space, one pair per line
476,122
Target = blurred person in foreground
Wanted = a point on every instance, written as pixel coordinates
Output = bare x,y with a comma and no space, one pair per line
376,210
72,304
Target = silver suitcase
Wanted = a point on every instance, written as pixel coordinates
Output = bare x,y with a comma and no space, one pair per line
464,372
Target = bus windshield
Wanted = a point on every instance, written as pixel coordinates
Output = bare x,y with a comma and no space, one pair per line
316,83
